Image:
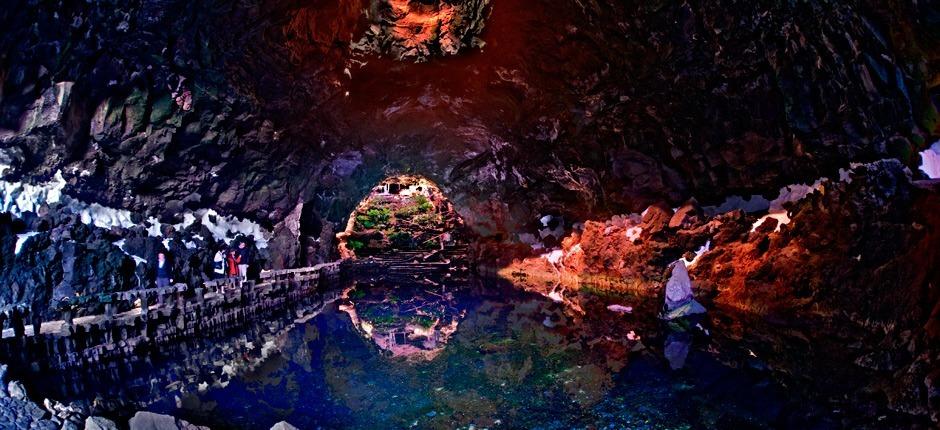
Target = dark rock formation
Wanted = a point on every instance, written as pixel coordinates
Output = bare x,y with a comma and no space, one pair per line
252,108
66,259
270,110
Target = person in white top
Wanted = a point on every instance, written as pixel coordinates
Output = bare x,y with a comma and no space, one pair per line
218,264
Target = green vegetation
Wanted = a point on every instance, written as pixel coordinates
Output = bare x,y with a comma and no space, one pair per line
374,217
424,205
378,317
395,222
355,245
419,205
423,320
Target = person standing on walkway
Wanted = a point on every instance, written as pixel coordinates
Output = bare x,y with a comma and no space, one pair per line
233,260
244,256
218,264
163,271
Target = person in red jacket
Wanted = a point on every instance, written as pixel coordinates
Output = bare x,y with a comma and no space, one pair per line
233,261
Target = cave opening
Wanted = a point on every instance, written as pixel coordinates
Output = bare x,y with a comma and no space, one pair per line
403,215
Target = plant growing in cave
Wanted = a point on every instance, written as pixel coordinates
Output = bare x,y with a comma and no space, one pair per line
425,321
355,245
374,217
424,205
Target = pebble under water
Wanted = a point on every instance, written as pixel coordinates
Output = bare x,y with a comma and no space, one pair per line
484,355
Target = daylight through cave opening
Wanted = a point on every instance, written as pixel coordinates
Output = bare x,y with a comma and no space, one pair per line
404,216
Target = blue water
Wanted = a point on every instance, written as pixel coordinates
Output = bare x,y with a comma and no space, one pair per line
515,360
504,367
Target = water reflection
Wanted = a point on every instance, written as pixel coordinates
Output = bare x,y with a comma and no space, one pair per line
512,360
412,321
430,356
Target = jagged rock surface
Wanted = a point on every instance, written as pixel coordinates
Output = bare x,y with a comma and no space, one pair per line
855,261
66,257
573,107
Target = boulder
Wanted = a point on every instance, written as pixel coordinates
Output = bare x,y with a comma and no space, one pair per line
99,423
686,214
151,421
70,425
680,301
656,218
283,425
16,390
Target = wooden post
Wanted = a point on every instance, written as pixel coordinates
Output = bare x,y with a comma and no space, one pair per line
16,321
36,318
144,306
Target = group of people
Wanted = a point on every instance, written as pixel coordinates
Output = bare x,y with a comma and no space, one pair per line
232,262
228,262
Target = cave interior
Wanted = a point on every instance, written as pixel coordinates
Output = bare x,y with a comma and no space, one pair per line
469,214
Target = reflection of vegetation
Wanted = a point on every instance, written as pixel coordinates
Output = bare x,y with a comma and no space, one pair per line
400,239
423,320
502,363
355,245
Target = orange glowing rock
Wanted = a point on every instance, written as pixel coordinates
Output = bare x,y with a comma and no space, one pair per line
419,29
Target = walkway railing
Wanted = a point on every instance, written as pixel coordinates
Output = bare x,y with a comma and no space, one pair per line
155,315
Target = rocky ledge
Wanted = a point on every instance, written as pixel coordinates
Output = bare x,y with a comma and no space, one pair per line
840,265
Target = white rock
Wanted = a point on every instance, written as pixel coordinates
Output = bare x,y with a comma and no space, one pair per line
151,421
99,423
620,309
679,299
16,390
21,240
679,286
930,161
283,425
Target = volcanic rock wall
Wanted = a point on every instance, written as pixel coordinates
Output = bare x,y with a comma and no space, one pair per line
265,110
254,108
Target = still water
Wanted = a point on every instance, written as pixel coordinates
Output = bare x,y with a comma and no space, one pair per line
481,355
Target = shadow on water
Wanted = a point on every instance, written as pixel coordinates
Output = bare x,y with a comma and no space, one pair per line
483,354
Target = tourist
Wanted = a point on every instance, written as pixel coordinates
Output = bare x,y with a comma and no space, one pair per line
218,264
233,260
244,256
163,271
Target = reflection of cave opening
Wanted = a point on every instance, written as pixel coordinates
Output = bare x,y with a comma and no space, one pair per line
404,215
413,320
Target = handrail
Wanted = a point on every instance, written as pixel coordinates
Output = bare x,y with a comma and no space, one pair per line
18,315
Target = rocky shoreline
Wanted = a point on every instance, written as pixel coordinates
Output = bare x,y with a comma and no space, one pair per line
19,412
